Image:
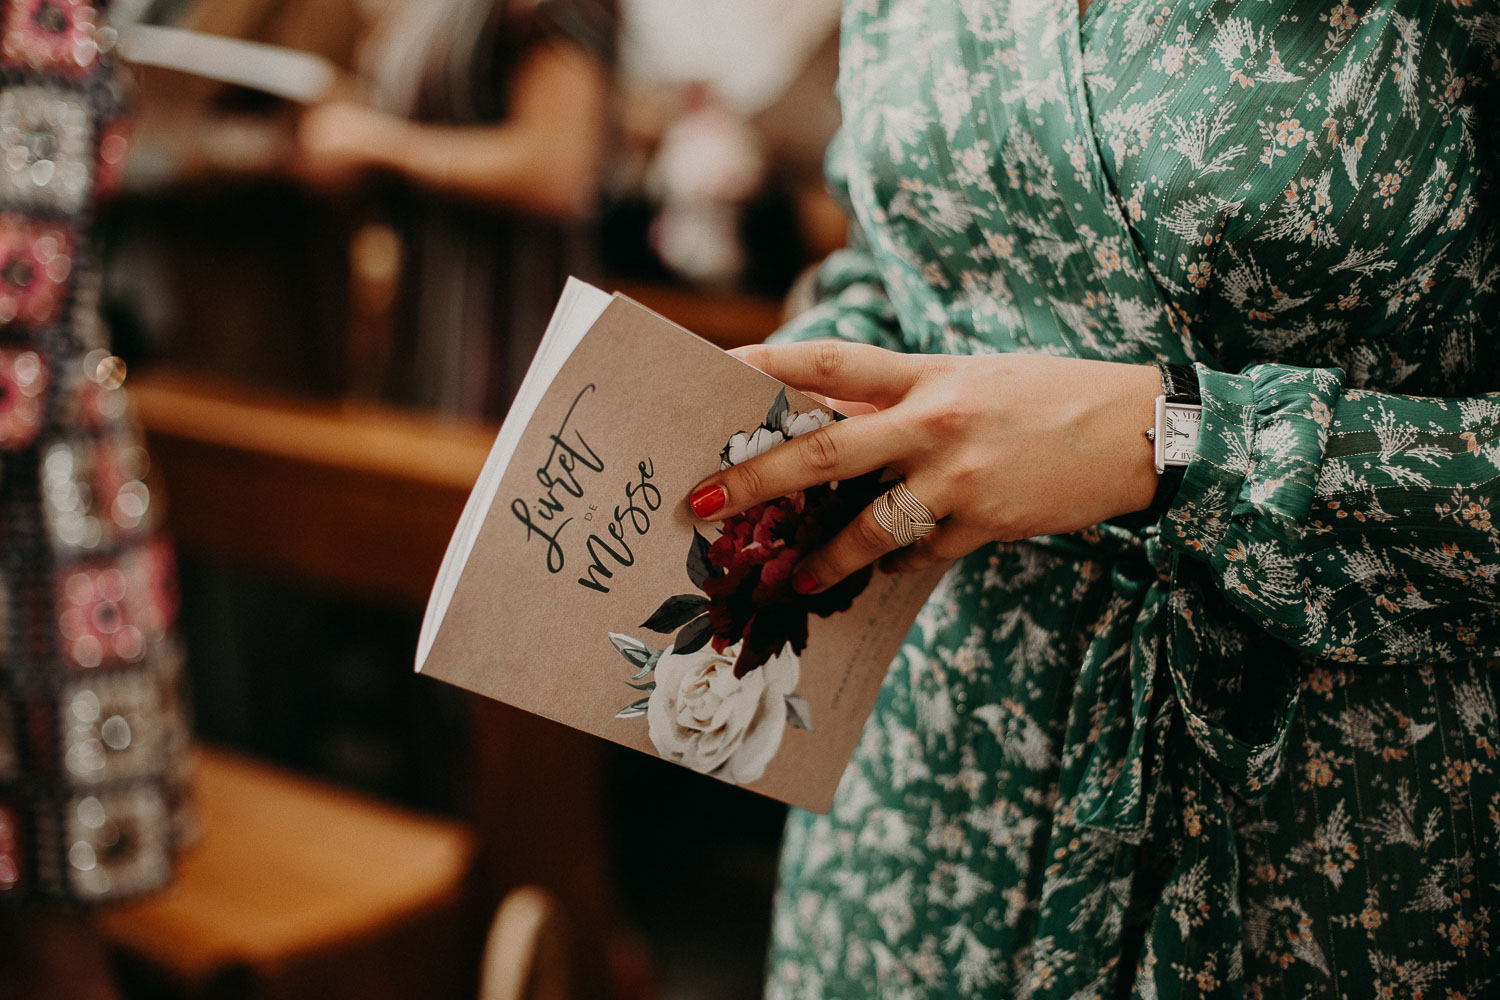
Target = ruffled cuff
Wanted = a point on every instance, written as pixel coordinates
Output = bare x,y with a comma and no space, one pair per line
1259,453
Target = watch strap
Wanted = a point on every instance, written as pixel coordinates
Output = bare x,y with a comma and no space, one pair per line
1179,383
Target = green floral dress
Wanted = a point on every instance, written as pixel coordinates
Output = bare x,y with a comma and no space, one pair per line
1249,751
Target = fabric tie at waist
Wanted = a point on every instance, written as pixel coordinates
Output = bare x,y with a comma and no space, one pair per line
1165,720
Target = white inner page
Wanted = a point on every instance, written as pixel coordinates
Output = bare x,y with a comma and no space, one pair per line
287,73
578,309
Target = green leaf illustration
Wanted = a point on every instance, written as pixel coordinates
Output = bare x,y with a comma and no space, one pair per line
699,569
798,714
650,664
631,648
777,415
634,710
693,635
676,612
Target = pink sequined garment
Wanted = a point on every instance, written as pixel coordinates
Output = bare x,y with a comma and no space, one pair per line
93,736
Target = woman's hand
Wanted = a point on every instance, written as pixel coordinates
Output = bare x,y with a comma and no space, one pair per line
543,157
339,140
998,447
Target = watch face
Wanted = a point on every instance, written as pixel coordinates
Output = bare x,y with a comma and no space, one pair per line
1180,425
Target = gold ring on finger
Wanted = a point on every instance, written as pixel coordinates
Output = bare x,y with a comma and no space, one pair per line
902,514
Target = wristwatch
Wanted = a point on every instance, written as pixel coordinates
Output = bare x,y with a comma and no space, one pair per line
1179,416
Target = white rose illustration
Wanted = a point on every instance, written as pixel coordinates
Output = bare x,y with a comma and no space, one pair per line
743,447
704,717
802,423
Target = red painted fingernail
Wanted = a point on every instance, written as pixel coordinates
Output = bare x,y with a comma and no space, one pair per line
708,500
804,582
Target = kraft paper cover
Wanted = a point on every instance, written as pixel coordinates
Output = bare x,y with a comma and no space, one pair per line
550,614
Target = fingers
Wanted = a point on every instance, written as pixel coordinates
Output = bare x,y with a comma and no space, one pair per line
948,542
837,369
842,450
862,542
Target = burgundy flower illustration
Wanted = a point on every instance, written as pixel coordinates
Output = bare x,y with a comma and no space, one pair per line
745,573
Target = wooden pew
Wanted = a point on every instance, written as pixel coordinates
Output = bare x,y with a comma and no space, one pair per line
361,498
299,890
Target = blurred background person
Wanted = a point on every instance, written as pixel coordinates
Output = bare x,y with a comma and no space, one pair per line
494,114
725,112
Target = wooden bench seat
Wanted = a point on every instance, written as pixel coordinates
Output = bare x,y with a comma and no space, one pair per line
299,889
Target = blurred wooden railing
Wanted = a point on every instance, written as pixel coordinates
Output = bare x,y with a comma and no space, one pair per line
360,498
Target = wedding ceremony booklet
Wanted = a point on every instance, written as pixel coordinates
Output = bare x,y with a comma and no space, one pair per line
579,586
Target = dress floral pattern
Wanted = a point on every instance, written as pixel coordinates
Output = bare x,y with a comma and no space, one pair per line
1248,751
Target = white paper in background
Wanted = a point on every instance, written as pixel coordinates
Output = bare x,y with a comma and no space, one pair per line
286,73
750,50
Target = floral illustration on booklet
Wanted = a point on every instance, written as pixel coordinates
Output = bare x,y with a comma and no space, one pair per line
718,699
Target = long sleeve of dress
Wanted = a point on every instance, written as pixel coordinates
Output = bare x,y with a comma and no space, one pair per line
1358,526
850,295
